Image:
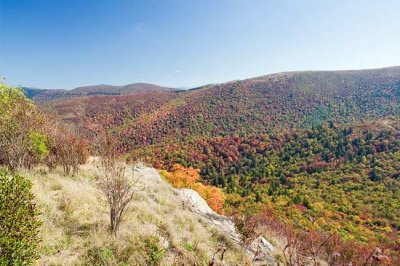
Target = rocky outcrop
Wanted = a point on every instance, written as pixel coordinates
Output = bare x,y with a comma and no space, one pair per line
260,250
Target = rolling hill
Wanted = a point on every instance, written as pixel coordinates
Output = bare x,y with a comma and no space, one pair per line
319,144
42,95
252,106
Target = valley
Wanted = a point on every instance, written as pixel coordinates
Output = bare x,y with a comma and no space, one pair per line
312,144
307,161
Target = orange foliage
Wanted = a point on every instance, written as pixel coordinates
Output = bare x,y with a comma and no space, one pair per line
181,177
214,196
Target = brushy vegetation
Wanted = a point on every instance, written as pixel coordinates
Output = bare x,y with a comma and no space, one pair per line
19,225
313,247
29,137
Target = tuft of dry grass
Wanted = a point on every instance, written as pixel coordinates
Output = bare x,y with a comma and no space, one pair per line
157,230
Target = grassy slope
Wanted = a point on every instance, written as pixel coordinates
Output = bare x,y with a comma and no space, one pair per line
75,219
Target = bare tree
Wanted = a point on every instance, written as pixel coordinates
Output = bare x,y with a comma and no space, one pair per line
115,180
119,190
247,227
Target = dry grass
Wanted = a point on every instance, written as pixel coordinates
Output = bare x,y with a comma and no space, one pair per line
157,228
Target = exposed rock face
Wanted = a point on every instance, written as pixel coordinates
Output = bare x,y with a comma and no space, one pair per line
260,250
197,204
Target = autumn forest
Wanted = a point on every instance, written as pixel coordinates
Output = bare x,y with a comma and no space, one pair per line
320,148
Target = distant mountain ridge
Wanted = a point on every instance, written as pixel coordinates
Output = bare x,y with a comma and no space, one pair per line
44,95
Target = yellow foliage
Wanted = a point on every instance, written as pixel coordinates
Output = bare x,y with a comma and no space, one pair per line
387,229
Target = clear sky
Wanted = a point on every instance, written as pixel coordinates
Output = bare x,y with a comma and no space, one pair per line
183,43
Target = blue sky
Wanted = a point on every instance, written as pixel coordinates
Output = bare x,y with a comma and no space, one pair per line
65,44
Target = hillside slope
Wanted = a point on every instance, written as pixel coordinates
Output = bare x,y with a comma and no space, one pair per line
253,106
158,226
321,144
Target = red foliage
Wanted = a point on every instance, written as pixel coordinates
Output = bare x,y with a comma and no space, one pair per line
306,247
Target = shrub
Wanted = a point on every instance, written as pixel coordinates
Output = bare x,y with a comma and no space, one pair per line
100,256
39,144
66,150
29,136
18,221
18,119
154,252
115,184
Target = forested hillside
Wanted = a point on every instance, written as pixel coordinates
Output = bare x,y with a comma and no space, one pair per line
254,106
320,148
346,176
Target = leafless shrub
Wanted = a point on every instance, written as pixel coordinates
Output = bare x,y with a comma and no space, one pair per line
309,247
219,254
119,190
118,187
247,227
